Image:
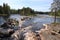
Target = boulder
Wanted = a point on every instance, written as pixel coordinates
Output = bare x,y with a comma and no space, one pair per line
18,35
4,25
6,32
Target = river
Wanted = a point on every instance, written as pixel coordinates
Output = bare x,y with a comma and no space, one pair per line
43,19
34,24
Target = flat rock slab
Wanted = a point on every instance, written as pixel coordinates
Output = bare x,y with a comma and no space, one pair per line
51,32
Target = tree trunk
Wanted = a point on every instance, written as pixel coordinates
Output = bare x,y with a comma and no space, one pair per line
55,16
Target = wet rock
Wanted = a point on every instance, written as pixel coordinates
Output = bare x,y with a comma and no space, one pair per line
6,32
4,25
24,18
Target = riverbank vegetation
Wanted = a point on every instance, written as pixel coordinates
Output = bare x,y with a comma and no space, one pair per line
5,10
55,8
58,13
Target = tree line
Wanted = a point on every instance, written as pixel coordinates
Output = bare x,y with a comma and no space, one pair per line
5,10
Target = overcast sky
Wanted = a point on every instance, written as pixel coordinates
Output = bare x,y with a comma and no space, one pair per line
37,5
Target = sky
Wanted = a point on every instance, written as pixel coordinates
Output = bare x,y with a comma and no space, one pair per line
37,5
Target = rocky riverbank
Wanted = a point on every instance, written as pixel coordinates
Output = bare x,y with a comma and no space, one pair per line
51,32
9,30
30,31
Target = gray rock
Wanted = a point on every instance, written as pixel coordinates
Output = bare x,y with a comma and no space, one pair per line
6,32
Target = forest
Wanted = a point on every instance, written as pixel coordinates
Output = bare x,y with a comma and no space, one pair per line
5,10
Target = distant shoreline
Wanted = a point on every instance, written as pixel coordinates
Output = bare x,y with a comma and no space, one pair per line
53,16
